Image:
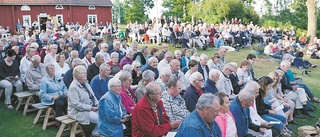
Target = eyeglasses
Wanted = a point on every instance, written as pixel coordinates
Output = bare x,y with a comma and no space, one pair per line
138,66
129,80
200,80
159,93
217,57
229,70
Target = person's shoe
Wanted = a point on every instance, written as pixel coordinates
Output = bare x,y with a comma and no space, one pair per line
9,106
293,122
297,114
308,113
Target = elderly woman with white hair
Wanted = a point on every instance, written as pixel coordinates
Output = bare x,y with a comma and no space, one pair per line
136,72
152,65
115,66
128,59
126,67
111,111
147,77
82,104
129,99
88,59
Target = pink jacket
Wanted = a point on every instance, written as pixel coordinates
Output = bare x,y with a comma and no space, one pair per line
221,120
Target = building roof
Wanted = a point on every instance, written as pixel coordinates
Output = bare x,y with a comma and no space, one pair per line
56,2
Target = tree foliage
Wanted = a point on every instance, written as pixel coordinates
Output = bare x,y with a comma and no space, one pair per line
135,10
175,8
215,11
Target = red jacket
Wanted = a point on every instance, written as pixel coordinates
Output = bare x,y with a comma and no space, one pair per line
144,120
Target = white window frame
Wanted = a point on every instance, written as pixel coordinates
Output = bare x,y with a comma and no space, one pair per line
92,16
25,8
59,8
91,7
26,17
59,15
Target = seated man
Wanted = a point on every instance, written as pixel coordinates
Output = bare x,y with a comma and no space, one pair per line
68,76
210,83
53,91
224,83
194,91
173,103
164,79
240,110
200,122
99,83
149,117
34,74
9,76
93,69
147,77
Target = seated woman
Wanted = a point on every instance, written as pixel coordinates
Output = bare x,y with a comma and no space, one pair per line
193,67
147,77
276,97
61,67
88,59
114,65
293,80
9,76
225,119
185,58
266,111
53,92
111,111
243,74
213,63
136,72
82,104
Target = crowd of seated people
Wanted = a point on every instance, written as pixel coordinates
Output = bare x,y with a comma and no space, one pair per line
131,92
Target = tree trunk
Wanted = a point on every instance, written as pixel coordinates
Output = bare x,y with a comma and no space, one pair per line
312,17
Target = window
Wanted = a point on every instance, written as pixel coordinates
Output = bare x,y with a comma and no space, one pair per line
25,8
26,21
92,18
91,7
59,7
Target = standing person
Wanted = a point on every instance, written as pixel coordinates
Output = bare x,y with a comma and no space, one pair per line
201,122
9,76
149,117
111,111
53,91
82,104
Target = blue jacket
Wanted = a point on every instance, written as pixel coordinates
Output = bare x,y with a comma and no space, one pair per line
242,118
155,70
68,77
201,70
109,115
50,88
191,97
193,126
81,52
99,86
210,87
183,64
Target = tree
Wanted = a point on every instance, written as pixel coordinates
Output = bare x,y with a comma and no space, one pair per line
312,17
134,10
175,8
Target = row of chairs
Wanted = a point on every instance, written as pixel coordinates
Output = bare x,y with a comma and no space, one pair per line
47,113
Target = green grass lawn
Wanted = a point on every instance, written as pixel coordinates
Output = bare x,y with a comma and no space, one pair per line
14,124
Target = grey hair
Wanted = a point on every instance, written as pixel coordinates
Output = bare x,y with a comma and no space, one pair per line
164,71
35,57
113,81
177,52
49,65
194,76
127,67
116,43
130,52
76,71
252,85
213,72
34,45
285,63
134,43
246,94
136,63
151,59
173,82
103,66
150,88
147,75
203,56
76,61
206,100
287,57
168,54
99,56
114,54
124,76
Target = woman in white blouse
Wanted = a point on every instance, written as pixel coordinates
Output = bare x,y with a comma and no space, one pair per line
61,67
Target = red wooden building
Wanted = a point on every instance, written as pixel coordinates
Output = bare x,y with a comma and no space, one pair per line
28,11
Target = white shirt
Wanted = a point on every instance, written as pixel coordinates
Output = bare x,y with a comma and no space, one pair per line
59,71
49,59
163,64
